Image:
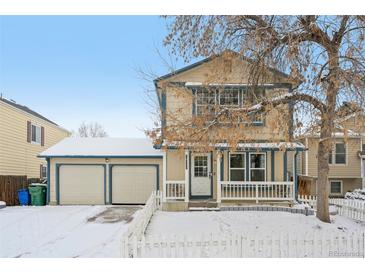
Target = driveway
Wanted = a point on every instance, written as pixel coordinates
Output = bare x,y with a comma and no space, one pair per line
63,231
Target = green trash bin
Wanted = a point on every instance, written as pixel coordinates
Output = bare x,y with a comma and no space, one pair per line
38,195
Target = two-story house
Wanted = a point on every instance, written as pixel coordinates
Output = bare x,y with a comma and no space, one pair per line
256,168
346,162
24,134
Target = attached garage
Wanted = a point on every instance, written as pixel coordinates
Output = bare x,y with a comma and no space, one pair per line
81,184
133,184
95,171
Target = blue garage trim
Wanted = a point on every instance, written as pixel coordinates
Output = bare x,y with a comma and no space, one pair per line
48,179
104,156
273,166
58,178
141,165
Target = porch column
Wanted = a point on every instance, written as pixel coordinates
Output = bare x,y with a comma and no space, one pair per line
285,163
187,172
295,179
164,175
219,159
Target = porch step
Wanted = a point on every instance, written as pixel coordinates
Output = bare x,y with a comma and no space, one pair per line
204,209
203,205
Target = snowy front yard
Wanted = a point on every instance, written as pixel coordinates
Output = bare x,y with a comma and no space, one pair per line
193,223
63,231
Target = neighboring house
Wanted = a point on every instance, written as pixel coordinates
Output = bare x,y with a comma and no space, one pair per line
254,171
347,160
24,134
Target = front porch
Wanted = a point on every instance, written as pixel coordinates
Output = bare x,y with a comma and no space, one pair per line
252,173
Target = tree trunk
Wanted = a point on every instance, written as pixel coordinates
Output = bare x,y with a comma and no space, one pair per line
322,178
325,142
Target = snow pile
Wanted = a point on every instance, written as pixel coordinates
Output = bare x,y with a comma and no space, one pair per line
357,194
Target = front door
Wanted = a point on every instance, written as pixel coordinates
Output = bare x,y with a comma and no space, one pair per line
201,175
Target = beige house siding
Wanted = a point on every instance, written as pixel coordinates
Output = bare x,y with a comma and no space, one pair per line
175,162
179,100
17,156
352,168
139,161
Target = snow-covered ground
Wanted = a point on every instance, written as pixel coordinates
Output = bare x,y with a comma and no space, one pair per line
63,231
195,223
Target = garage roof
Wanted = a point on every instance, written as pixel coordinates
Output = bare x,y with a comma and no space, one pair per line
103,148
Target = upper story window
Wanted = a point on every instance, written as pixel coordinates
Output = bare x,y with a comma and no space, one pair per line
205,102
229,97
339,155
36,134
209,101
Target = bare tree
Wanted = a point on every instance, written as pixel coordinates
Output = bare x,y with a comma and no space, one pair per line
92,129
324,55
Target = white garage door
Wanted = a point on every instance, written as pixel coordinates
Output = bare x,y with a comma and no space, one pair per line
133,184
81,185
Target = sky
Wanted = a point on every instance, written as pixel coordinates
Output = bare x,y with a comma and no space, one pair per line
73,69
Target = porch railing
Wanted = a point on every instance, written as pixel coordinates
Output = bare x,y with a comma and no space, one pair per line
255,191
174,190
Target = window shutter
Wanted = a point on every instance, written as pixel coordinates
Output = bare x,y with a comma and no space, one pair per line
40,171
29,131
42,136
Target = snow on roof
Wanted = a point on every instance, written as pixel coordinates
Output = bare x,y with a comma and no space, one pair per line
269,146
109,147
278,145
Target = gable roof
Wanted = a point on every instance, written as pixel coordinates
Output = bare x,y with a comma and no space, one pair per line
26,109
208,59
102,148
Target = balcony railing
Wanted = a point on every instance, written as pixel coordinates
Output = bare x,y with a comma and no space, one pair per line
255,191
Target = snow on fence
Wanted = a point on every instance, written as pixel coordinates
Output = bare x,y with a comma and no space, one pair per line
274,245
345,207
139,224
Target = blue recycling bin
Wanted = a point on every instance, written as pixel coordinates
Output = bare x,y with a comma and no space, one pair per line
23,196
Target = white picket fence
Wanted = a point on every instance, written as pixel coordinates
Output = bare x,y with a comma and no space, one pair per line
138,226
246,245
349,208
